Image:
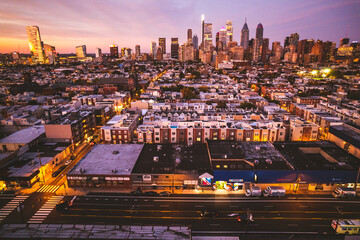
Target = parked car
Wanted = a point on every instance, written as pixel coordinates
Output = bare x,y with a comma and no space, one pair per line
67,162
253,191
62,205
56,173
150,193
209,213
274,191
61,168
72,157
341,192
136,193
164,194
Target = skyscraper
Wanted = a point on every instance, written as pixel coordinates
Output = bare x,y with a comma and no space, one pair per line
153,49
114,51
294,39
175,47
98,52
137,51
202,28
35,44
222,36
207,36
260,33
81,51
189,35
344,41
50,54
195,41
162,44
264,49
229,31
244,42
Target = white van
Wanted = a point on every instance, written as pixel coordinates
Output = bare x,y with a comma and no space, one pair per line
274,191
340,192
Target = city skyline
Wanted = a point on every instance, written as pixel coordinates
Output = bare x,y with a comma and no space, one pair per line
99,25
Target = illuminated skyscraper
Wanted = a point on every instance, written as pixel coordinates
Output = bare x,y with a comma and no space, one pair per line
137,51
260,33
162,44
50,54
202,28
244,42
294,39
114,51
229,31
175,47
189,35
81,51
35,44
222,38
344,41
207,36
153,49
195,41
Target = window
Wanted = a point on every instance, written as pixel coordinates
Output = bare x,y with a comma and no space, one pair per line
155,176
232,133
156,133
167,177
225,166
157,139
217,166
173,133
281,133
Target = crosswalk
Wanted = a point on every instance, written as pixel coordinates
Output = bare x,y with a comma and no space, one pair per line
45,210
48,188
10,206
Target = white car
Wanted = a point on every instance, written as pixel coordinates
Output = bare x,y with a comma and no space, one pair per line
67,162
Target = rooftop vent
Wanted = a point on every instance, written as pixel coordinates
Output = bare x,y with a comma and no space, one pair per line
257,148
156,159
225,156
268,161
159,147
256,162
115,152
113,171
177,160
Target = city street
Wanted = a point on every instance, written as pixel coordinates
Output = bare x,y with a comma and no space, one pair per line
307,216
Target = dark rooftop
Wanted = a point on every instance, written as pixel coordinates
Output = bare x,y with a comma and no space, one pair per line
173,158
317,156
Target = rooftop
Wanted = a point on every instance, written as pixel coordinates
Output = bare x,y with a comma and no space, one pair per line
108,159
347,133
317,156
26,135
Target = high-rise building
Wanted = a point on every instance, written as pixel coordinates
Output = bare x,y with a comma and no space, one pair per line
159,53
162,44
137,51
207,36
264,49
260,32
175,47
81,51
195,41
98,52
35,44
114,51
244,42
256,49
286,42
344,41
294,39
229,31
189,35
202,28
50,54
222,36
153,49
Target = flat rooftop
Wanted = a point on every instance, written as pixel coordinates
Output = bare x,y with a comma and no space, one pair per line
347,133
230,155
25,136
317,156
108,159
173,158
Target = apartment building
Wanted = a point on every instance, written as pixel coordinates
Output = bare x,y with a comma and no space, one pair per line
120,129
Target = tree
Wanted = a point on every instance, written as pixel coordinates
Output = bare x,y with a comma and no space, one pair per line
67,72
221,104
187,93
247,105
181,75
71,95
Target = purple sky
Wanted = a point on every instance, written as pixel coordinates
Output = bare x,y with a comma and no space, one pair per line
99,23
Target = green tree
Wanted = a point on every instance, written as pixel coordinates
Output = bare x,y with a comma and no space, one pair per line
221,104
187,93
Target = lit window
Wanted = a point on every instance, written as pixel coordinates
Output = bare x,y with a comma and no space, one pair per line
217,166
225,166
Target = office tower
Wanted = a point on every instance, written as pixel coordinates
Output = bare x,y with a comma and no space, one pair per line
294,39
287,42
162,44
222,36
98,52
260,33
35,44
231,44
256,49
175,47
207,36
123,51
15,56
195,41
114,51
244,42
50,54
127,52
236,53
202,28
159,53
81,51
344,41
264,49
137,51
229,31
153,49
189,35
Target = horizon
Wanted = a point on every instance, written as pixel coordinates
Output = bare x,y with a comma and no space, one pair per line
98,25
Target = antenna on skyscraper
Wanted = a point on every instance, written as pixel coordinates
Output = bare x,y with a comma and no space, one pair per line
347,31
245,19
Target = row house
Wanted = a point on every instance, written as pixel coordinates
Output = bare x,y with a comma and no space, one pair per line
120,129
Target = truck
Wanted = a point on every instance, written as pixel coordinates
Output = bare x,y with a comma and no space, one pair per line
253,191
341,192
274,191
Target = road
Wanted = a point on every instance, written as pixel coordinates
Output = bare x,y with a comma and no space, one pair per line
307,216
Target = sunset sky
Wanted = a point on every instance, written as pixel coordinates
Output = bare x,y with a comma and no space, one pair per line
99,23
